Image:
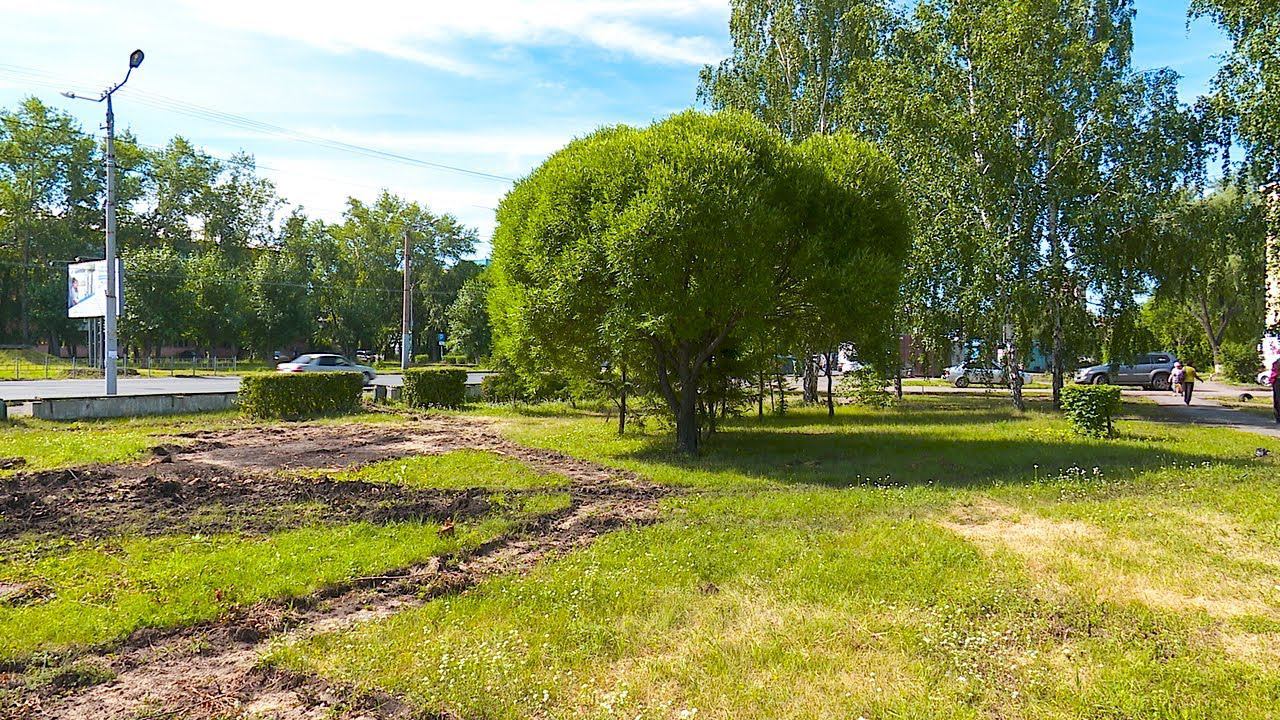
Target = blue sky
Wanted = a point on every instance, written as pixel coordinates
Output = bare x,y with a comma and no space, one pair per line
487,86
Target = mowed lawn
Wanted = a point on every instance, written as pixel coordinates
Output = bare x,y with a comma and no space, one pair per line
946,559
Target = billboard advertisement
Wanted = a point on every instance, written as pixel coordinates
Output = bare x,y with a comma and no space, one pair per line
86,289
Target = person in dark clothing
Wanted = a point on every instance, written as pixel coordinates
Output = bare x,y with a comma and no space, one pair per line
1189,379
1275,388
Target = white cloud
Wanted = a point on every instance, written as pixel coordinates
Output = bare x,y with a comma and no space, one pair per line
432,33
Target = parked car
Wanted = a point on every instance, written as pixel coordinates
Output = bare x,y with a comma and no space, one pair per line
1151,371
963,376
1264,378
323,362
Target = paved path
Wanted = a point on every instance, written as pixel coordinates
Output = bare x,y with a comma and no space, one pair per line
27,390
1206,410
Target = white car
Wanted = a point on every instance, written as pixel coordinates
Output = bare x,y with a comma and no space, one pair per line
323,362
963,376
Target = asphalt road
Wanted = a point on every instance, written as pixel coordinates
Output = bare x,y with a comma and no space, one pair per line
27,390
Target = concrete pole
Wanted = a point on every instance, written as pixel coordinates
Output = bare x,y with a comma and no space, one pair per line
109,335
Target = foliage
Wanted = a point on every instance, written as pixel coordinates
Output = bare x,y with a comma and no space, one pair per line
1033,154
209,261
868,387
1210,261
1091,408
1165,324
470,333
438,387
1248,83
673,242
1241,361
291,396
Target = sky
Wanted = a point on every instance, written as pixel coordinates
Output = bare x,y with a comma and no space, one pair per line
488,88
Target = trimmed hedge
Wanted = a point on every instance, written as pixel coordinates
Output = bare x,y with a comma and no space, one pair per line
1090,408
290,396
435,387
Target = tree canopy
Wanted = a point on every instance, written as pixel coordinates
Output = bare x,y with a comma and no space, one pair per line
668,244
212,258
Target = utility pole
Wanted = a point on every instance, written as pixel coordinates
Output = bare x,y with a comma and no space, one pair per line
110,345
406,313
109,338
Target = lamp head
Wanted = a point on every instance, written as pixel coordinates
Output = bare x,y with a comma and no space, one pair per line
135,59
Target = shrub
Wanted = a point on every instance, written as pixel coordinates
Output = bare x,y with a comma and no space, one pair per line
1240,361
444,387
866,387
455,359
1090,408
289,396
502,386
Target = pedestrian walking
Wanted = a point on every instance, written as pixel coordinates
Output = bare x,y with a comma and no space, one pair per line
1175,379
1189,378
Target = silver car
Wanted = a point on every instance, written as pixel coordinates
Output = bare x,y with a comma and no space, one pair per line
962,376
1151,371
324,362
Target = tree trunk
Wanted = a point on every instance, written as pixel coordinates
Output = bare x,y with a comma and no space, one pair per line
810,379
760,399
831,403
781,408
25,273
687,417
1013,371
622,403
1056,300
897,383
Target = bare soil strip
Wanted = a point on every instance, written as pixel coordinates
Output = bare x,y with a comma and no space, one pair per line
235,481
210,671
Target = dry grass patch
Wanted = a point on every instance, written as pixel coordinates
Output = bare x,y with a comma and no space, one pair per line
1121,567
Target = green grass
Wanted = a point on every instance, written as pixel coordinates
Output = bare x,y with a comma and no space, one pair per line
457,470
31,365
45,444
101,592
904,563
941,440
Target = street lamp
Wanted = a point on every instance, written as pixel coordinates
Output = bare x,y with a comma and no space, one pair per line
109,341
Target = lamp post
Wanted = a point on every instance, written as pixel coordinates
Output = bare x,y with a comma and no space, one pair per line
110,347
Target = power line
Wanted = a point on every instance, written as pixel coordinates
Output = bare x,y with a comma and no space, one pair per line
189,109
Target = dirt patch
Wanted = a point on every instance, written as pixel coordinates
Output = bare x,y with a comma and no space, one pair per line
328,446
245,481
188,499
210,671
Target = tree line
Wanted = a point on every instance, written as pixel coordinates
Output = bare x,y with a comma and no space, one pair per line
214,257
1055,187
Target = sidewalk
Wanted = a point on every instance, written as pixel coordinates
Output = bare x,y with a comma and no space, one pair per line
1206,410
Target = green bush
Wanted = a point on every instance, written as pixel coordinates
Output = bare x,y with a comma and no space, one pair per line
444,387
1240,361
866,387
290,396
503,386
455,359
1090,408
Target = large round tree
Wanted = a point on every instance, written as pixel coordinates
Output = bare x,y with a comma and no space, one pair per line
694,234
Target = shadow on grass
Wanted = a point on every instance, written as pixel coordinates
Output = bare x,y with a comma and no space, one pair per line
950,449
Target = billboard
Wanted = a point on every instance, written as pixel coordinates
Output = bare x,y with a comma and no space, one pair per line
86,289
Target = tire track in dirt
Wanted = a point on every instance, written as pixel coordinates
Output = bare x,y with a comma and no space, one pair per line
210,671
